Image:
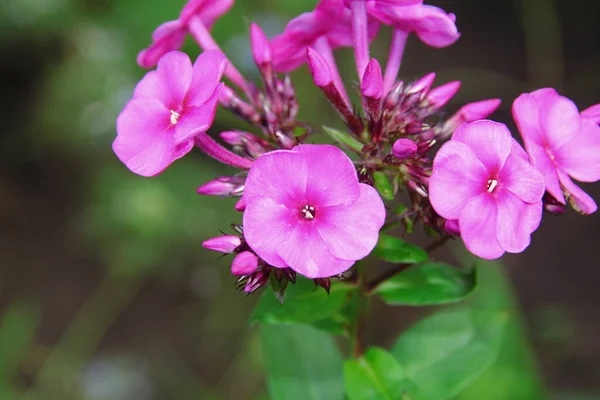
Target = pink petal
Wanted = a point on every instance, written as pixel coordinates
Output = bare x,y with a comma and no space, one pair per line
279,175
167,37
525,111
490,142
579,200
306,253
592,113
580,158
544,164
559,120
431,24
174,73
207,10
478,227
267,226
516,221
244,263
351,231
457,177
207,72
520,178
196,119
331,178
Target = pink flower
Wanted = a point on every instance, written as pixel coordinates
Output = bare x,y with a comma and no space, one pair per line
482,178
327,27
561,144
169,109
306,210
170,35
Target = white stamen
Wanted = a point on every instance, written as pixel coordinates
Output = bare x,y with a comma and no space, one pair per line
308,212
491,185
174,117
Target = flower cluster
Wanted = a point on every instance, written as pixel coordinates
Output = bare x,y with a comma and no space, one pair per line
309,209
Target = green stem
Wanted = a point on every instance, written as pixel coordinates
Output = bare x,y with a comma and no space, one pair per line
361,306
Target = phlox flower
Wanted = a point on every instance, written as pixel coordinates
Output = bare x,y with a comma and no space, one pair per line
170,35
561,144
171,106
483,179
306,210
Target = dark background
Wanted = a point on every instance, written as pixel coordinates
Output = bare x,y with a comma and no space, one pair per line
105,291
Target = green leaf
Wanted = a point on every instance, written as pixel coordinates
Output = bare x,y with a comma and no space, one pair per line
344,138
376,376
302,363
303,303
444,353
428,284
383,185
395,250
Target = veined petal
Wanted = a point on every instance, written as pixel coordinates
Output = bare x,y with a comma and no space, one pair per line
306,253
520,178
279,175
559,120
478,227
167,37
490,142
207,72
174,72
196,119
331,178
525,111
516,221
544,164
457,177
579,199
351,231
580,158
267,225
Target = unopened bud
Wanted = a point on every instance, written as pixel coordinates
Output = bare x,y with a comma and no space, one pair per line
441,95
240,205
319,69
469,113
224,186
422,84
451,227
244,263
371,85
404,148
261,49
223,244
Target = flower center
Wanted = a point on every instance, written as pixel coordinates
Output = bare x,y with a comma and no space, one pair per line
308,212
174,117
491,185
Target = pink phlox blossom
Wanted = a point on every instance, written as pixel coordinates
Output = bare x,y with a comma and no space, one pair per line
431,24
329,22
306,210
482,178
170,35
561,144
170,107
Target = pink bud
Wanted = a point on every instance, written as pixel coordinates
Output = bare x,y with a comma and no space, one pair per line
224,186
451,227
223,244
261,49
372,81
592,113
441,95
244,263
233,138
469,113
404,148
422,84
319,69
240,205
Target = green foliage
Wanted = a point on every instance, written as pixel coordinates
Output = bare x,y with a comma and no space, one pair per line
428,284
374,376
302,363
304,302
344,138
395,250
383,185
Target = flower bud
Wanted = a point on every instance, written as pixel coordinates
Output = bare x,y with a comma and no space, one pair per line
372,81
233,138
244,263
422,84
404,148
469,113
224,186
441,95
261,49
223,244
240,205
451,227
319,69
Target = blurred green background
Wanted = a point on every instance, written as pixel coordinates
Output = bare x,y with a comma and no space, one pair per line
105,291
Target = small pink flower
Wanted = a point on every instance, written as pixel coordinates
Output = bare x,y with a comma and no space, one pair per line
170,107
170,35
561,144
330,23
483,179
306,210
